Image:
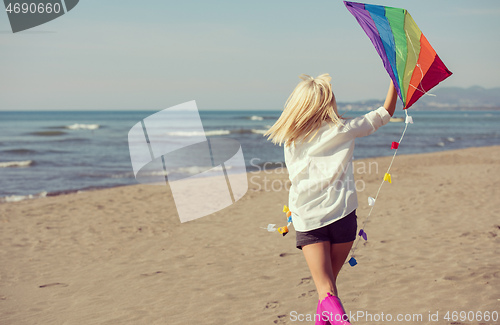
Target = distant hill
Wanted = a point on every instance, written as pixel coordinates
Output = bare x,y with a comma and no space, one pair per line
445,98
474,97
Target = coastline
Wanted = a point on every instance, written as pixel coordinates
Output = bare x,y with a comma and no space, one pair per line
121,255
250,170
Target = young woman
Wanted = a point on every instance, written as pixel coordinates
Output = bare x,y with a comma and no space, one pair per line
319,148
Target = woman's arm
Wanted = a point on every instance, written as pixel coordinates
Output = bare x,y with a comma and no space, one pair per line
390,100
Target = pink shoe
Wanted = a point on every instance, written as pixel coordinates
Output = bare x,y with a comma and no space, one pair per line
334,309
320,319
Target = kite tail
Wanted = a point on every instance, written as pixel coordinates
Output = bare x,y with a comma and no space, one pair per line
371,201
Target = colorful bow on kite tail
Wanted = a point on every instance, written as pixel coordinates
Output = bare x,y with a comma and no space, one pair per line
411,62
282,230
413,65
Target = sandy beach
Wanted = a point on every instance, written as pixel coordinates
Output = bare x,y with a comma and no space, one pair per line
121,255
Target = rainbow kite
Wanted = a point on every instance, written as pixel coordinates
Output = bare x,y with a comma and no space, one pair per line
410,60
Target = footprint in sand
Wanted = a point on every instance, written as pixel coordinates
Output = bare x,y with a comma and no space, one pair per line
272,305
305,280
281,319
150,274
451,278
489,275
53,285
494,233
310,293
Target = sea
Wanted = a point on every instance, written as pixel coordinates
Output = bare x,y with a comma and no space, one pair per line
47,153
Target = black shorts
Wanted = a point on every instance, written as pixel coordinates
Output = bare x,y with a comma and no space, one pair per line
340,231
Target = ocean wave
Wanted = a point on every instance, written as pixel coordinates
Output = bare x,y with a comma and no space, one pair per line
193,170
216,132
397,119
24,163
175,173
445,141
78,126
19,151
248,131
259,118
198,133
122,175
48,133
72,140
258,131
17,198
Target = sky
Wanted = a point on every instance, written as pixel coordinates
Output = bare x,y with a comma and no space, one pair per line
151,55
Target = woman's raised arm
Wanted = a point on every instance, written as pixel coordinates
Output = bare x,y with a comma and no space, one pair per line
390,100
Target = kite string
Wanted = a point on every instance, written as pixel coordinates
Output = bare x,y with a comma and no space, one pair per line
393,156
395,152
379,188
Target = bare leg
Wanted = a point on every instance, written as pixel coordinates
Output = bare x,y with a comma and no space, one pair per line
339,253
318,257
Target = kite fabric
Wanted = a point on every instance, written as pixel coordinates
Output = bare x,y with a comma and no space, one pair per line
413,65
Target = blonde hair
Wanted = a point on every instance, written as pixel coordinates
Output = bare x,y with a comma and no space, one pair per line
310,103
